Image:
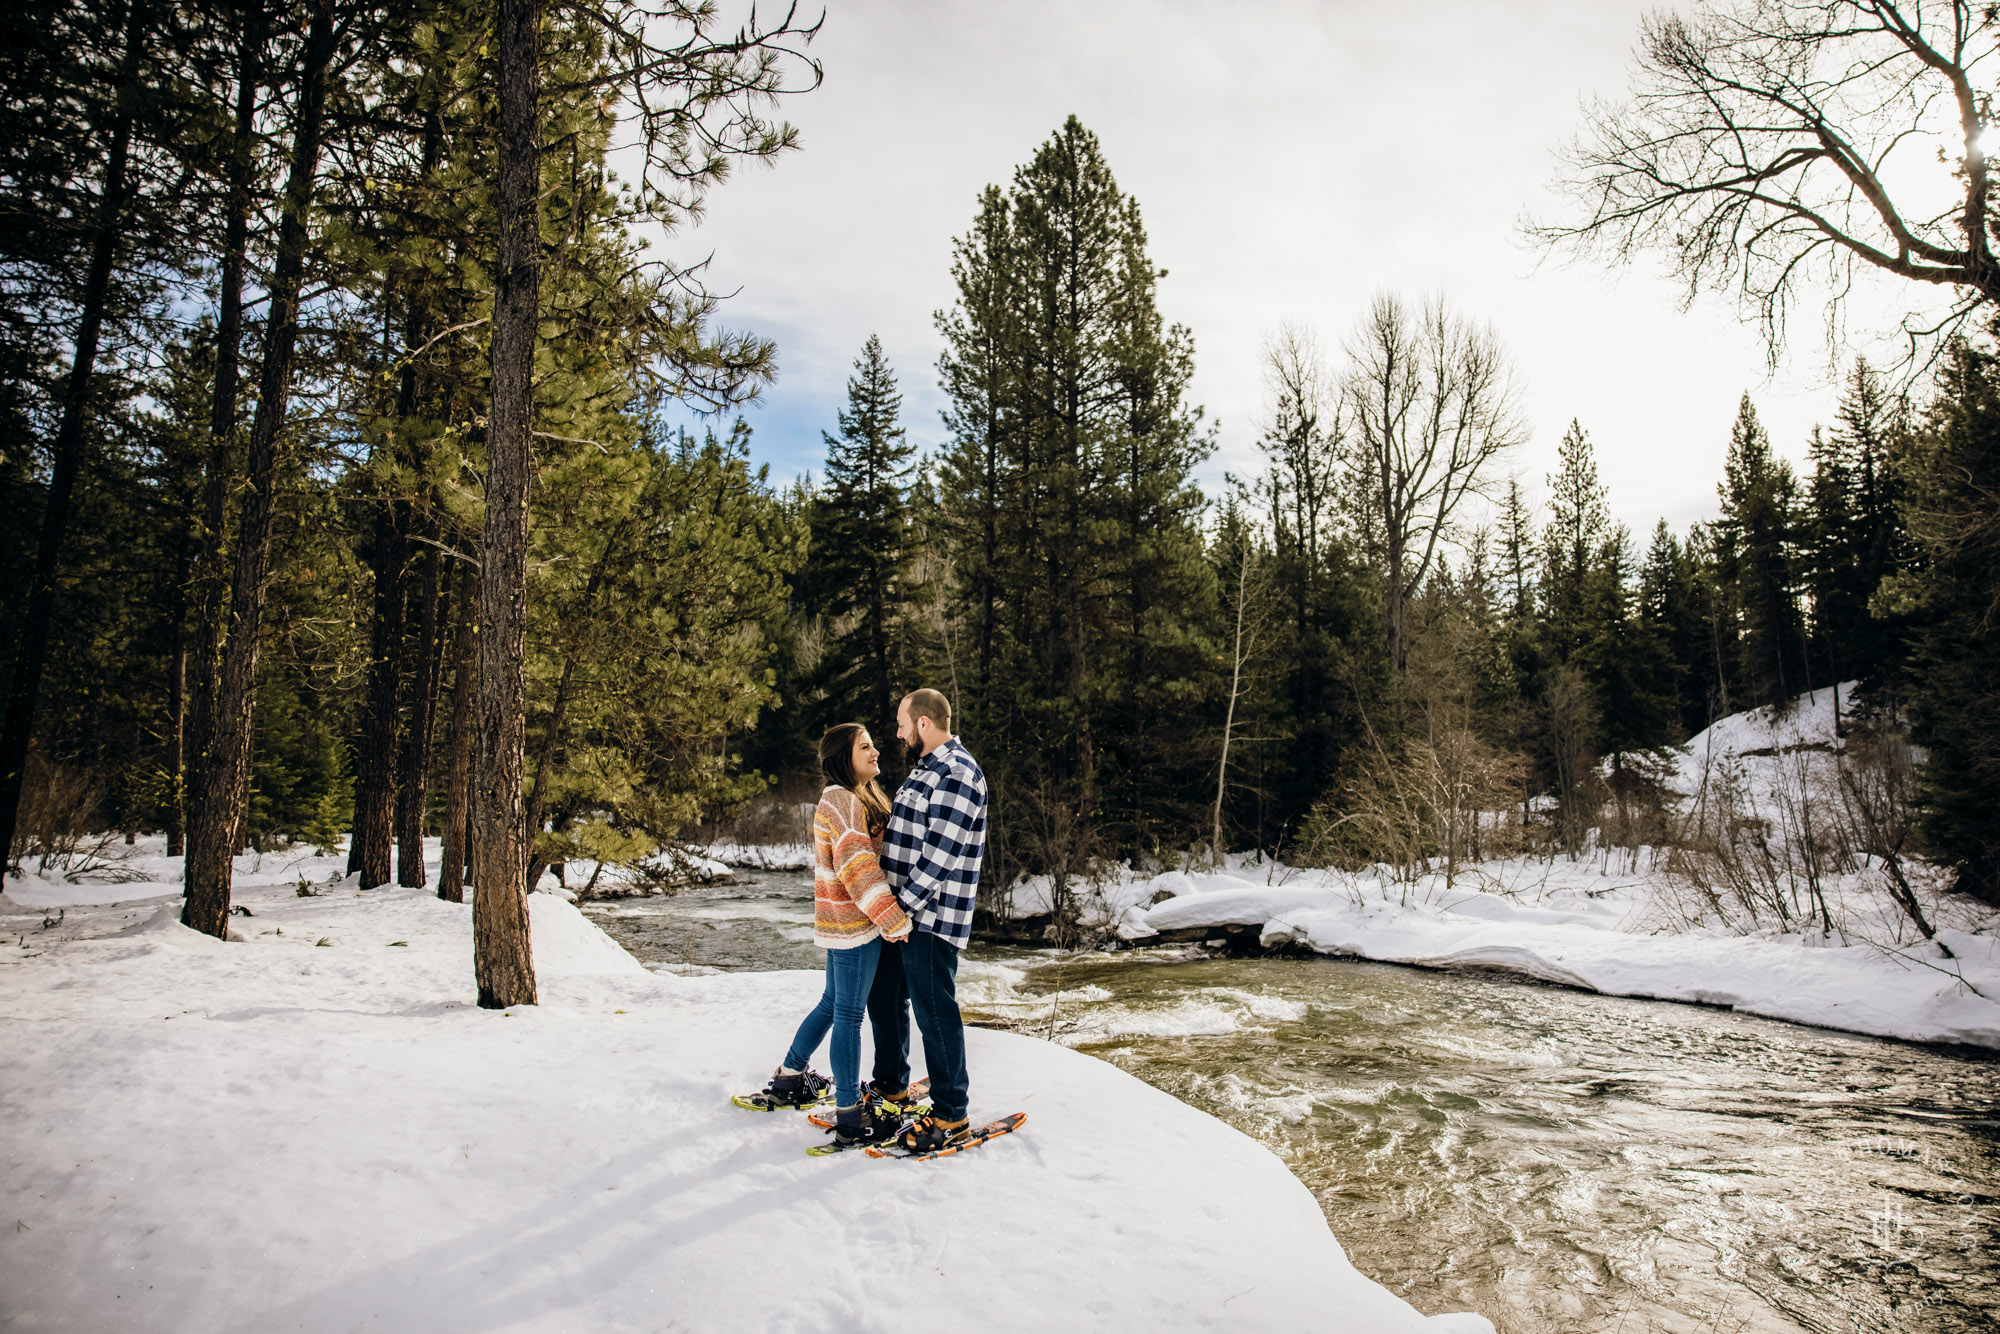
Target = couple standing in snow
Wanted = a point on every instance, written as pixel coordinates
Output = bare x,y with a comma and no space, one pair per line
894,883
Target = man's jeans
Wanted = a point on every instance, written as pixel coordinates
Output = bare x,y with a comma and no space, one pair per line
850,973
920,974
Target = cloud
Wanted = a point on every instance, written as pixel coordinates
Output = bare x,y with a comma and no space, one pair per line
1291,160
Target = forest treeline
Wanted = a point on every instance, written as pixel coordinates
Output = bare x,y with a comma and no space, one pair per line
254,261
1377,642
334,471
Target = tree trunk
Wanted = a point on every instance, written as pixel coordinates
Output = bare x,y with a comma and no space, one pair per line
421,673
32,652
503,956
551,757
210,583
413,792
176,739
1216,850
223,778
375,756
458,768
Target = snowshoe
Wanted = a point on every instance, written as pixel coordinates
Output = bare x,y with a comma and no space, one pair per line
858,1127
929,1134
966,1137
804,1089
897,1104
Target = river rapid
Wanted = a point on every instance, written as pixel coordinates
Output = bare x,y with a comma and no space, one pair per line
1557,1160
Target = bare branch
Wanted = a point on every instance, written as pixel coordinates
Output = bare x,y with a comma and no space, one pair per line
1774,147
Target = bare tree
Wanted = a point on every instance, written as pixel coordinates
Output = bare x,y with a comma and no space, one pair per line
1251,618
1769,144
1434,405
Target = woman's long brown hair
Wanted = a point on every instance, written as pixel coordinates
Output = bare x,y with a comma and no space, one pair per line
836,761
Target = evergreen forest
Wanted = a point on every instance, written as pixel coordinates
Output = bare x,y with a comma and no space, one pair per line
349,501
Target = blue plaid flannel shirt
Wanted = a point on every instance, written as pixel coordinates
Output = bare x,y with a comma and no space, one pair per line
935,840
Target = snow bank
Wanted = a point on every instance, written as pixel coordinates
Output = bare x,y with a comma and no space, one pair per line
315,1129
1588,930
762,856
1757,738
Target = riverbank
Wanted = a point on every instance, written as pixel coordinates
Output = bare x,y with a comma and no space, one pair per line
1588,925
314,1128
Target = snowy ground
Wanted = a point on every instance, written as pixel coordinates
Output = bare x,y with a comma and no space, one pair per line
314,1129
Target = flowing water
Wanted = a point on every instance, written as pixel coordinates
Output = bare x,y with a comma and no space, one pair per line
1553,1159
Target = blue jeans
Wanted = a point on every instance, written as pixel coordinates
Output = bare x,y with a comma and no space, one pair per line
849,975
920,974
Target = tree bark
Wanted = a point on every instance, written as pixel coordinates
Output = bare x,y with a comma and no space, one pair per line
1216,850
551,757
458,768
421,673
503,957
210,584
375,756
413,792
223,778
176,738
31,656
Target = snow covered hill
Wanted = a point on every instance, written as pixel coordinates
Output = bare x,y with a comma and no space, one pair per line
313,1128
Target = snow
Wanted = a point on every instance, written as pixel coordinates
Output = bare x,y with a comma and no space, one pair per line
762,856
1758,737
1629,924
1585,924
315,1129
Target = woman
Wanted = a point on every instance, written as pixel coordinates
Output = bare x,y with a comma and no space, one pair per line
854,910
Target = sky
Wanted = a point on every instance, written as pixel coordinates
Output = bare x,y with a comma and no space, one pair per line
1291,161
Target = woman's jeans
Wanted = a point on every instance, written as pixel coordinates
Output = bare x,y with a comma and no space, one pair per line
849,974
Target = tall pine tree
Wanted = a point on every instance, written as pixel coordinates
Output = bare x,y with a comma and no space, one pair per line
1854,533
1949,474
1756,550
858,578
1073,521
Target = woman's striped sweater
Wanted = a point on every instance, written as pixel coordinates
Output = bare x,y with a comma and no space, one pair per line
852,901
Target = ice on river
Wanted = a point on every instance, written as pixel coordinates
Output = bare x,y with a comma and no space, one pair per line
314,1128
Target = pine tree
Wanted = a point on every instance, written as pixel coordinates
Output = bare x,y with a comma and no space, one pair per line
1066,498
978,372
1669,606
860,571
1948,474
647,651
1854,535
1326,649
1572,543
1756,541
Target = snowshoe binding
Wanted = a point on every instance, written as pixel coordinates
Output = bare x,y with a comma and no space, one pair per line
858,1127
806,1088
898,1105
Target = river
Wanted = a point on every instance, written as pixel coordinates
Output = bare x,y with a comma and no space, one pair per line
1556,1160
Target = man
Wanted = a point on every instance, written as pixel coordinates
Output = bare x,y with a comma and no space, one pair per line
931,855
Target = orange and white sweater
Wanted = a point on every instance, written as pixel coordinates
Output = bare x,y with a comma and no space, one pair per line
852,901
